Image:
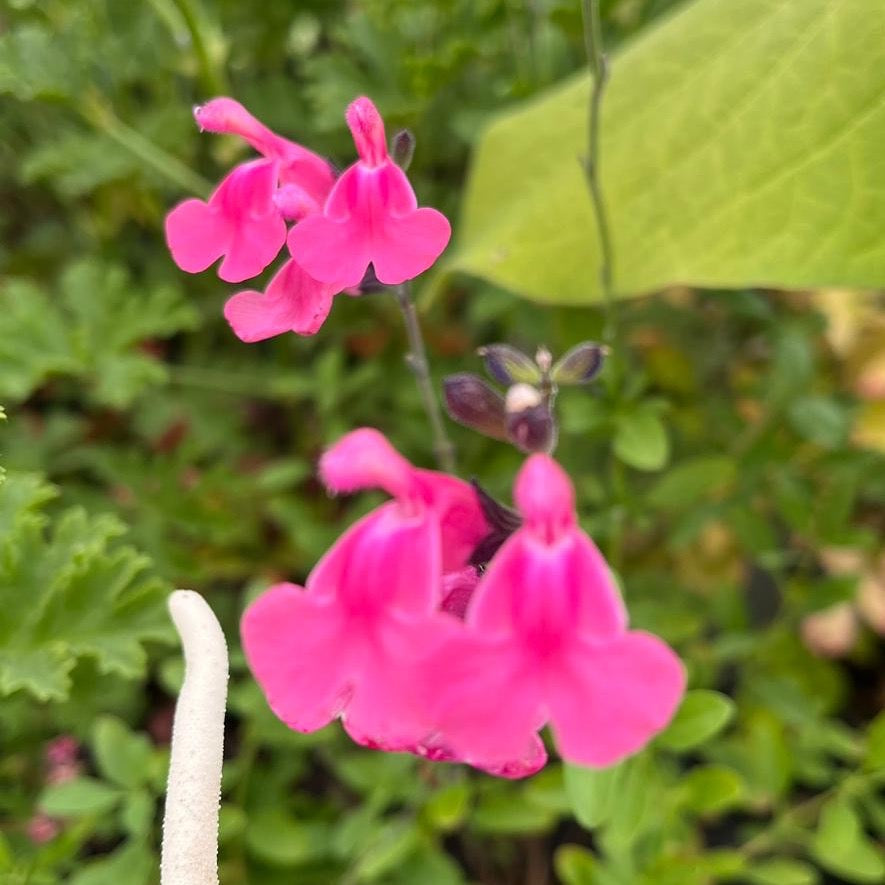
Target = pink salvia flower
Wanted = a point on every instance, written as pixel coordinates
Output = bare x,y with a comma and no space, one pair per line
298,166
292,302
342,645
240,223
244,220
370,216
545,640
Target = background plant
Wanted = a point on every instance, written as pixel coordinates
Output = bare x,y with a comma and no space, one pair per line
740,451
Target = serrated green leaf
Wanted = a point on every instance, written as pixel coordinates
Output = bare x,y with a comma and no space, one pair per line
90,332
69,590
841,846
701,716
765,107
641,439
83,795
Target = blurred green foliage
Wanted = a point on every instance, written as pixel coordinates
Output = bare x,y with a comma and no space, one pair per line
718,465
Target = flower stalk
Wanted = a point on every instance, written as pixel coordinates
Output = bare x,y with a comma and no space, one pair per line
599,68
193,793
417,361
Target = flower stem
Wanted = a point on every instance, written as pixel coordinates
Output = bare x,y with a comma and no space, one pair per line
417,361
190,828
599,67
98,113
211,75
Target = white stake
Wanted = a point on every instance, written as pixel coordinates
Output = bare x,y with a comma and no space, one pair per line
193,791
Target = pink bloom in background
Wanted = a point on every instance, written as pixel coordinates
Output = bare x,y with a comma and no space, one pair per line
342,645
545,640
371,216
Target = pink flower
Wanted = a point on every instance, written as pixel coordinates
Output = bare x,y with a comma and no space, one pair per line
342,646
545,639
292,302
371,216
240,223
244,220
41,828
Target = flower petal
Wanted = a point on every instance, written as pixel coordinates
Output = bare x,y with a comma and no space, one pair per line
612,698
547,595
388,561
486,705
293,644
197,235
408,245
293,302
364,459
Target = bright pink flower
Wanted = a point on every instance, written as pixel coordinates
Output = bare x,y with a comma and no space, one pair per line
371,216
546,640
244,220
241,222
343,645
292,302
298,166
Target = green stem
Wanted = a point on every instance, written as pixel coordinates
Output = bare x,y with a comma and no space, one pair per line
599,67
417,360
212,76
99,115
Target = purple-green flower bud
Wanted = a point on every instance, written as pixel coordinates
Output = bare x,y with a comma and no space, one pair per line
580,365
530,424
471,402
402,148
507,365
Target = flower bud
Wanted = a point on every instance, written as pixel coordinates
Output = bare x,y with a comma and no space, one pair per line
471,402
580,365
533,429
507,365
402,148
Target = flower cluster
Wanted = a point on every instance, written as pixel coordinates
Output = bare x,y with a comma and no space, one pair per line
406,633
367,216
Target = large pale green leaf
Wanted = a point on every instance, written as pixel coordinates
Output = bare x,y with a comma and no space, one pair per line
742,144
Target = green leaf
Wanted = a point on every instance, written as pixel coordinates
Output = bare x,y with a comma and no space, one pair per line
841,846
69,590
446,808
709,789
641,440
820,420
701,716
875,755
280,839
137,814
782,871
133,864
83,795
592,792
90,332
121,755
690,481
731,135
576,865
